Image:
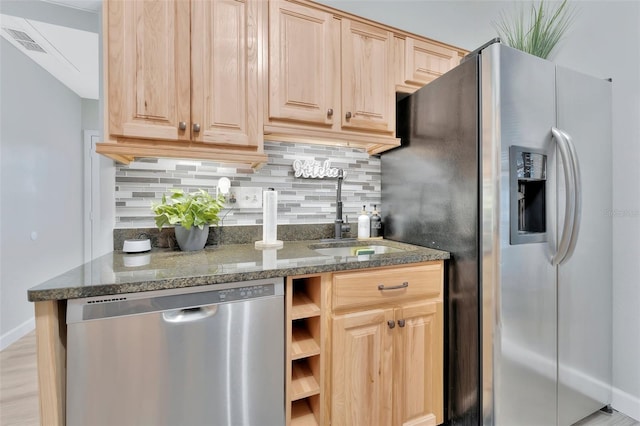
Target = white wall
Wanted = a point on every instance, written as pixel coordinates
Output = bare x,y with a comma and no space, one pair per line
41,185
604,42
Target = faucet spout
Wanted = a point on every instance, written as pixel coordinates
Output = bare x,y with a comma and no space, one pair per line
339,226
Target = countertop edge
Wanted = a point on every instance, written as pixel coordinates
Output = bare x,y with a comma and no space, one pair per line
421,254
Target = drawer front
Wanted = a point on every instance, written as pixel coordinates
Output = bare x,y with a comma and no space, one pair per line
398,284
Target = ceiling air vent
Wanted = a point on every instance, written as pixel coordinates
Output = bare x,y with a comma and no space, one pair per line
24,39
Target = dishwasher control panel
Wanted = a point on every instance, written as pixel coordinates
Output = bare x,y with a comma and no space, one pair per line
242,293
96,308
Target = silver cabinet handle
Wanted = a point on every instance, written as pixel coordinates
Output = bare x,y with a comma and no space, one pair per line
401,323
196,127
405,284
348,115
391,323
182,125
330,112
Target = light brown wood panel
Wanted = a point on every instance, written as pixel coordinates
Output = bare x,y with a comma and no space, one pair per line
307,338
51,340
303,344
428,420
303,306
368,94
362,368
360,288
148,68
303,380
418,362
425,61
302,57
225,79
301,414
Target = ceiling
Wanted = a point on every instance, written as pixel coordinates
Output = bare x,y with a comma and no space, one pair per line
69,54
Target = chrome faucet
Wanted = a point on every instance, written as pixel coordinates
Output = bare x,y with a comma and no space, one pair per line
340,226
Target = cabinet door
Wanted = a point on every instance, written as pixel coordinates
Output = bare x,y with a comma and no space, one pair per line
302,56
424,61
224,61
361,368
368,91
418,364
148,69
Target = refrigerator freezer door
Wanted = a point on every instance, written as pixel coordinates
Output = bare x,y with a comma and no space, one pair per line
518,281
584,281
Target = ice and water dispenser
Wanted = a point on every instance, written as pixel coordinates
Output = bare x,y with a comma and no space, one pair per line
527,210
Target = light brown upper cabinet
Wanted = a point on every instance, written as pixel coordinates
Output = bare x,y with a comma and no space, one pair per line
368,98
418,62
302,64
330,78
183,79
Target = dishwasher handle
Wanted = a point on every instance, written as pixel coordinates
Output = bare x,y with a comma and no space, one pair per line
190,314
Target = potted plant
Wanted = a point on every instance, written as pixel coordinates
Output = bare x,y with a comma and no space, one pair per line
191,214
538,34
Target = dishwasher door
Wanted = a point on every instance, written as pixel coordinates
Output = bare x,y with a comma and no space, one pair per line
211,355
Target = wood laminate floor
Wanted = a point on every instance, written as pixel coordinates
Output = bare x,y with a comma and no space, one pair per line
19,390
19,384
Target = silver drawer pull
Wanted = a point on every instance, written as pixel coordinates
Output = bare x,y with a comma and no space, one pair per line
405,284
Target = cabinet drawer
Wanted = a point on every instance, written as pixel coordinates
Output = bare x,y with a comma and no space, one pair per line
352,289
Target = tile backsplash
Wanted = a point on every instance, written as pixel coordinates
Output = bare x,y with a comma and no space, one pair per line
300,200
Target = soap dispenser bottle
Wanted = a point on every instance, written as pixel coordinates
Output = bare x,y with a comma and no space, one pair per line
363,224
376,223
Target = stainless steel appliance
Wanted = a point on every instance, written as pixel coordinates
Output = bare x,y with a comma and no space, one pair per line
211,355
506,162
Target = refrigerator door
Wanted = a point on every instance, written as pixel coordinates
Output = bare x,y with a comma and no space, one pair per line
585,279
518,280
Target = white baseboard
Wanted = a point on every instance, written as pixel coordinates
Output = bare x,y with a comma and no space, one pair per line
626,403
13,335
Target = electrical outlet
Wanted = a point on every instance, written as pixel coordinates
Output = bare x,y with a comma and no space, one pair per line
244,198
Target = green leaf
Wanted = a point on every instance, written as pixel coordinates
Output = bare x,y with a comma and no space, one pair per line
198,208
541,33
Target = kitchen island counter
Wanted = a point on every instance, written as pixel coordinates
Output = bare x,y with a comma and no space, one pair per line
118,272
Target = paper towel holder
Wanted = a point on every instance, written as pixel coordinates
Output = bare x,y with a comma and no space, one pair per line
270,214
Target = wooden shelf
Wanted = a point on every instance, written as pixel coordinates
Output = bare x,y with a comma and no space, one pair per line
303,345
303,307
301,414
303,384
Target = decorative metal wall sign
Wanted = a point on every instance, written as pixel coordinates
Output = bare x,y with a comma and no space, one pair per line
315,169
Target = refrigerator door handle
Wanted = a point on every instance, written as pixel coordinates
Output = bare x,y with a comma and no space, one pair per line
577,179
569,179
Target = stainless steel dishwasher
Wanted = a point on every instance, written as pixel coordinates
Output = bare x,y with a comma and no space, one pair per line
210,355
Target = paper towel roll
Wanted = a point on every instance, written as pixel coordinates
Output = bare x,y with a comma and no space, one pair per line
269,220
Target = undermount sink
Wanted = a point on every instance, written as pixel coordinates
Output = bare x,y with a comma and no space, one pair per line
356,250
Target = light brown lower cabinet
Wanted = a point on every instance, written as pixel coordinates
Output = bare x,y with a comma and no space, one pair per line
387,358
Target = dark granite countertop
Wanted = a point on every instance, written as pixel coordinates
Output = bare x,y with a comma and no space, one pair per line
118,272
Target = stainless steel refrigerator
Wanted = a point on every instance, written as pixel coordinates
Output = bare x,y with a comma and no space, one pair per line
506,162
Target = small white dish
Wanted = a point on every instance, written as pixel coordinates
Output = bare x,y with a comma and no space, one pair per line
136,246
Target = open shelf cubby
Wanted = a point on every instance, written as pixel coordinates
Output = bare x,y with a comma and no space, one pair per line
305,358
